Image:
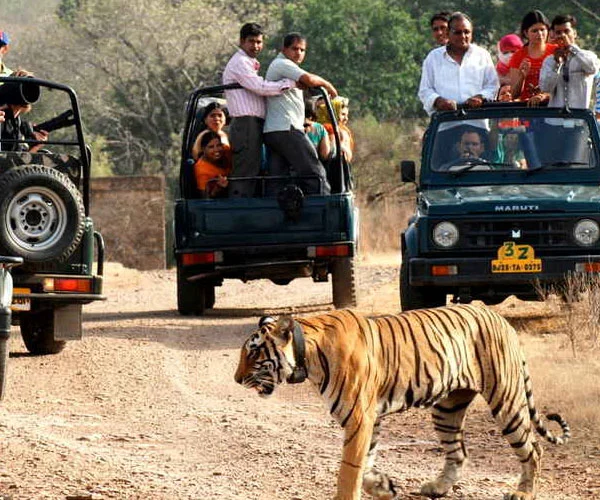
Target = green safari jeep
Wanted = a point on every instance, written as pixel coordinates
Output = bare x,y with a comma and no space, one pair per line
508,197
44,212
277,237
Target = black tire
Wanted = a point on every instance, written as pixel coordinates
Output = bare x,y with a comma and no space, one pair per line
343,283
4,351
43,216
209,297
415,297
193,297
37,330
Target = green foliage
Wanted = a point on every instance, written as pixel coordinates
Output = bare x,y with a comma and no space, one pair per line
369,51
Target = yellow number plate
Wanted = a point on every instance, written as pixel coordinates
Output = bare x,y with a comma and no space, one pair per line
21,304
513,258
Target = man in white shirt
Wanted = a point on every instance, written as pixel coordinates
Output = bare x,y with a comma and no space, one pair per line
566,79
247,108
457,73
568,74
291,150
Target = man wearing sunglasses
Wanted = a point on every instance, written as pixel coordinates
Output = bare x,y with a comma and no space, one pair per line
459,72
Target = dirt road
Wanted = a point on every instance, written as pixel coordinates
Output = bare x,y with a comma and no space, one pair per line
145,407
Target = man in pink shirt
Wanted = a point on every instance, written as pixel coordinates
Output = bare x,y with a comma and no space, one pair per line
247,107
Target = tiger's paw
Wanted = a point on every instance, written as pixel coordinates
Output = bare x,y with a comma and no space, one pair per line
435,489
519,495
379,485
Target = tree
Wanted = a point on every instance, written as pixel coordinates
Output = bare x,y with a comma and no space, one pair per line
369,51
133,64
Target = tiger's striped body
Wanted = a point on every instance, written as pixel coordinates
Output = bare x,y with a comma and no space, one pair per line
366,368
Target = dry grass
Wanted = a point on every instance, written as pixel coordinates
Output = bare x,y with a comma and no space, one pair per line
382,221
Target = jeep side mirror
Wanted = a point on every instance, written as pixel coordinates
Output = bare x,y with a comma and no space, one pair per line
407,171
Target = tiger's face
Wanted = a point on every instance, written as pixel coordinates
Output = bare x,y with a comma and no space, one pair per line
263,363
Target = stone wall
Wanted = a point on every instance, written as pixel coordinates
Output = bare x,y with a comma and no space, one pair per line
129,212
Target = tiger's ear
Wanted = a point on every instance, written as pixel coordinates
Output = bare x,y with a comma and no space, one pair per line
284,330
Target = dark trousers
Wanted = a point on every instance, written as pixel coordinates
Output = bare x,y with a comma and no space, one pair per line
293,154
245,133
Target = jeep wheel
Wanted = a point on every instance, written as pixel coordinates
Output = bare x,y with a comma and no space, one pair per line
343,283
43,216
193,297
414,297
37,330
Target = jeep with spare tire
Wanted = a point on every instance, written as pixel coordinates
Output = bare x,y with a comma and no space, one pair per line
279,235
45,169
508,203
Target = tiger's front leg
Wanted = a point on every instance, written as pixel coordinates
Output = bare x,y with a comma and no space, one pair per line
376,483
357,439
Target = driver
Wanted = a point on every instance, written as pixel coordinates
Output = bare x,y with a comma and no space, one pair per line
471,144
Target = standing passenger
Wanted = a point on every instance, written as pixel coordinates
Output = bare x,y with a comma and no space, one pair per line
525,64
439,27
458,73
247,107
291,150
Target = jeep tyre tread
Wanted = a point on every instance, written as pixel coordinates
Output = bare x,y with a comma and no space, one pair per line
42,214
37,330
193,297
343,283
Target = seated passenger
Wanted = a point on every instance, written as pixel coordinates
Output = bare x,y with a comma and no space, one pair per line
213,119
316,132
340,108
213,166
508,150
14,128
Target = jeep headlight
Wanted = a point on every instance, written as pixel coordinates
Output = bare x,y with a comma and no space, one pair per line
445,234
586,232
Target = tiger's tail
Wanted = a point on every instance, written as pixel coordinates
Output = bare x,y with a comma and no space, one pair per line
535,416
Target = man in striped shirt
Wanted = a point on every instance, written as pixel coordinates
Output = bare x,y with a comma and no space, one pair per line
247,107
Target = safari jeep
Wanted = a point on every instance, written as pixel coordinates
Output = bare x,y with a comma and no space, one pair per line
44,215
493,219
280,238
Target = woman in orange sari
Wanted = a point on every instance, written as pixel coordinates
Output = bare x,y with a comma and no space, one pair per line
213,166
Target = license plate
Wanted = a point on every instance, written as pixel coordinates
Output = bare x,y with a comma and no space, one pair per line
21,303
514,258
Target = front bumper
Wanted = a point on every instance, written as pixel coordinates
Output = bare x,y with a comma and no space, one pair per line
477,272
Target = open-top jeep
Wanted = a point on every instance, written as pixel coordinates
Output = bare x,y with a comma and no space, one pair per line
282,237
44,212
508,201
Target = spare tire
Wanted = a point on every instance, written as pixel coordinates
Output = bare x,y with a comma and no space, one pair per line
42,216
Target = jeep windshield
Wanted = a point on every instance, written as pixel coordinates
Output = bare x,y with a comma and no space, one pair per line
503,142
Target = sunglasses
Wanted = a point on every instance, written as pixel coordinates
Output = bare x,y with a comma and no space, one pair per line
461,32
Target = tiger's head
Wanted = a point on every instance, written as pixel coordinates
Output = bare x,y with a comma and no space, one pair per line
266,358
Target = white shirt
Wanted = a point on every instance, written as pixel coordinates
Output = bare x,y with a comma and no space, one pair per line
285,110
243,69
581,65
443,77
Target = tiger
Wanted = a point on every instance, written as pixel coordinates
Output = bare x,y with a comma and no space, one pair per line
369,367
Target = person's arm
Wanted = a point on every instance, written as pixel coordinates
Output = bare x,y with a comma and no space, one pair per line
311,80
427,93
549,74
588,60
490,79
324,146
248,78
517,73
